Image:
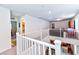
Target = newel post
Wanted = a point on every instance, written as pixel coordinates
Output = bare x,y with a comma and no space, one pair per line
57,47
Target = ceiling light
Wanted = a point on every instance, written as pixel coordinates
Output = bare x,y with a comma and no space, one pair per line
58,19
49,12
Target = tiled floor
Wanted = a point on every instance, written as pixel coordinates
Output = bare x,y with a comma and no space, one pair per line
11,51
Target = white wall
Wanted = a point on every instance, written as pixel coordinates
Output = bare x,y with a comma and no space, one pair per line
61,24
5,29
35,24
77,23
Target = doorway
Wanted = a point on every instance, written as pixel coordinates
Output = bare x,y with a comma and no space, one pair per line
13,33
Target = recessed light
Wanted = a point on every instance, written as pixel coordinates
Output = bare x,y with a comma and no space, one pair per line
49,12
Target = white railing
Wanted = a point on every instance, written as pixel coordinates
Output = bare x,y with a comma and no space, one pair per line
64,33
74,35
38,42
40,34
29,46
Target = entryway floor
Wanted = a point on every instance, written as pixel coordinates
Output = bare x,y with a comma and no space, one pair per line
11,51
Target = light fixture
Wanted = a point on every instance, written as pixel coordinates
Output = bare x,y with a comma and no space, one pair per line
58,19
49,12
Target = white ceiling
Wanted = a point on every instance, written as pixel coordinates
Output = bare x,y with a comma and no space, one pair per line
48,12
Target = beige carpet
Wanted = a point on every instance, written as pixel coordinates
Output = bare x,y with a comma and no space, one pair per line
11,51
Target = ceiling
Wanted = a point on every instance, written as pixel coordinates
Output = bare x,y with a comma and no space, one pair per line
48,12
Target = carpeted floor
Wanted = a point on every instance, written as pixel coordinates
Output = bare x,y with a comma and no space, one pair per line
11,51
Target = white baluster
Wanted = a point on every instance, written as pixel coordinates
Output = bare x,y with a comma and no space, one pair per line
35,47
60,32
75,49
27,43
20,48
28,46
17,37
32,47
49,50
43,50
24,43
57,47
64,34
20,44
39,49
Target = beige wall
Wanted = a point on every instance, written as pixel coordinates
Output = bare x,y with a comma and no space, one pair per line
5,29
33,24
60,24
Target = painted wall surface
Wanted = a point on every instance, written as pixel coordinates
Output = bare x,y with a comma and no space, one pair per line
5,29
60,24
77,23
33,24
